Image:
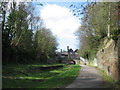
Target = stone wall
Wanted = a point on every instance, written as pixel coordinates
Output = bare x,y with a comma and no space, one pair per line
107,58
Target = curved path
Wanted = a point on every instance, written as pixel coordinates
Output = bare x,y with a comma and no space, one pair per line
89,77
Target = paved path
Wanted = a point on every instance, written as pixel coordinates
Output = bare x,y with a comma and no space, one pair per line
88,78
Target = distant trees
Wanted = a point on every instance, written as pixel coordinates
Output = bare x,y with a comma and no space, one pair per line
44,45
24,39
99,21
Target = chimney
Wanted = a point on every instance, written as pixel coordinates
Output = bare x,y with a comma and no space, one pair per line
67,48
61,50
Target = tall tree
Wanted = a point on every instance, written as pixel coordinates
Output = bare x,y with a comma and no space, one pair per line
99,22
25,40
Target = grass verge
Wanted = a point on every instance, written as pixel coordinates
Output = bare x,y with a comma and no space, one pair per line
108,81
21,76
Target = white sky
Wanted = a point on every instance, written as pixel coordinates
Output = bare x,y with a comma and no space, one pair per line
62,23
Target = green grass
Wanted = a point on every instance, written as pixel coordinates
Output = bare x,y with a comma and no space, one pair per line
109,82
91,65
21,76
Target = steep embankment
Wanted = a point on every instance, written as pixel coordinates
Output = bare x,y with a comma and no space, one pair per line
109,58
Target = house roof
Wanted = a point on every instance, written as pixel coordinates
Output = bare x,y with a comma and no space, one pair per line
70,51
65,53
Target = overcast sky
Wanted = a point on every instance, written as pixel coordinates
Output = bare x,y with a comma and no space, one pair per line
61,21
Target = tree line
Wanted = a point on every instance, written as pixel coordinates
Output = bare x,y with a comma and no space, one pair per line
100,21
24,37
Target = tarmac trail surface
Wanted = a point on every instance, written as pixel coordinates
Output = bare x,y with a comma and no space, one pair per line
89,77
